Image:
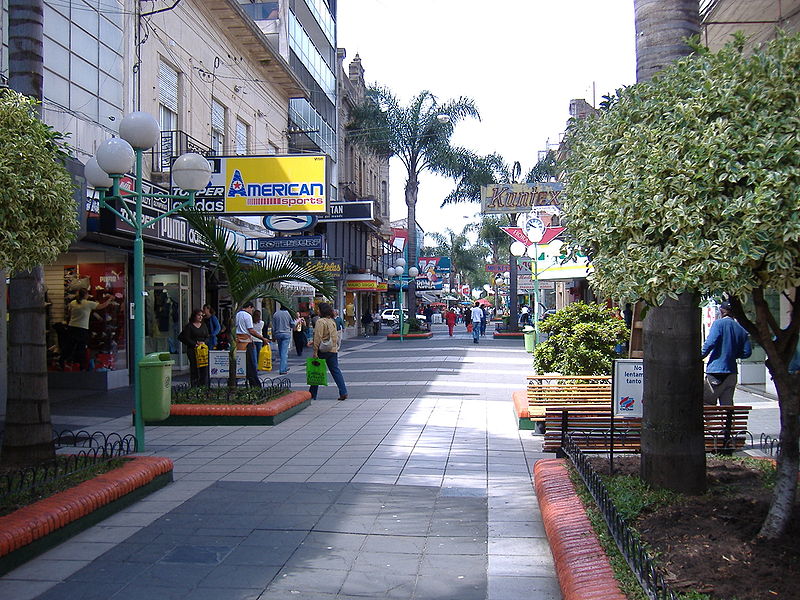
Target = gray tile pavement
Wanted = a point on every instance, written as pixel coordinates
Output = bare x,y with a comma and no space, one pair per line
418,486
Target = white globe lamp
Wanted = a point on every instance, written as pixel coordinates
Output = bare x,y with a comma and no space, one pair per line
413,272
115,156
399,270
531,251
518,249
400,262
140,130
96,176
390,272
191,171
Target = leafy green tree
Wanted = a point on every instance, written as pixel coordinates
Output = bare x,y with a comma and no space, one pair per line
261,279
465,258
690,183
419,135
582,340
489,232
37,223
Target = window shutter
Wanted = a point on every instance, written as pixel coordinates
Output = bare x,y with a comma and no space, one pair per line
217,116
168,86
241,137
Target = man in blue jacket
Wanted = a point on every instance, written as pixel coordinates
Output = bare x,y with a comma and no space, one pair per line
726,341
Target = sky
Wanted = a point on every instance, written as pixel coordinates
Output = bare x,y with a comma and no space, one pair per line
522,61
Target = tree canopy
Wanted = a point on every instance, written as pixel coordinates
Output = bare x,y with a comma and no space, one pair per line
37,208
689,181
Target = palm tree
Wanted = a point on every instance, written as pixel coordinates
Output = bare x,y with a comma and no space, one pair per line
28,430
673,455
465,258
419,135
489,233
259,280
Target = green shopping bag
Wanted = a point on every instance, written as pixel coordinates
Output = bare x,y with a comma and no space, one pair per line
316,371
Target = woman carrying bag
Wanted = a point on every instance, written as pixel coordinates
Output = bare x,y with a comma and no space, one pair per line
326,346
195,337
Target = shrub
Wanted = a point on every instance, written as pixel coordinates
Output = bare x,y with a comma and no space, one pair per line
582,341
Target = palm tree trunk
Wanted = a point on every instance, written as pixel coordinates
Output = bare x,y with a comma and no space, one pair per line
28,431
673,456
412,188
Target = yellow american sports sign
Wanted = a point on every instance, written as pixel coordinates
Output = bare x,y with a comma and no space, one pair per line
262,185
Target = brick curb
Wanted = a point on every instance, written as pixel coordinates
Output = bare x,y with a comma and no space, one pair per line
583,569
270,409
522,410
45,517
513,335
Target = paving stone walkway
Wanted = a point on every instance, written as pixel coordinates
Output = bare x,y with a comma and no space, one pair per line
416,487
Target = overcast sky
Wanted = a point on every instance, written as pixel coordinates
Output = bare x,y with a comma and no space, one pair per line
522,61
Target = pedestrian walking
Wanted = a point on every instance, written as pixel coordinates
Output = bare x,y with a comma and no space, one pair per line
450,319
366,322
258,325
484,320
376,322
80,310
726,341
299,335
326,345
244,341
476,317
282,326
194,333
212,322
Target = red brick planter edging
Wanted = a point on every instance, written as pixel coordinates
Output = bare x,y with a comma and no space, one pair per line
37,527
270,413
582,567
517,335
410,336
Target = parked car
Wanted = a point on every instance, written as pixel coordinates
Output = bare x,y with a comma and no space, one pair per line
390,316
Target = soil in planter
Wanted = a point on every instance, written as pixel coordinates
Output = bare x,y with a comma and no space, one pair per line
707,543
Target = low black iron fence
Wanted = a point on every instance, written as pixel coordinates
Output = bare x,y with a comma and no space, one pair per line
628,542
769,445
76,452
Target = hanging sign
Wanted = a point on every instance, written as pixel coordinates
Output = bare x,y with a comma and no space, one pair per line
334,267
518,234
283,223
508,198
257,185
628,387
284,244
349,211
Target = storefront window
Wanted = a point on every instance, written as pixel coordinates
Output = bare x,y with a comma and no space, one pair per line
166,311
99,344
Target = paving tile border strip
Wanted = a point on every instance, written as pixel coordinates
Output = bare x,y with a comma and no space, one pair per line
271,413
410,336
33,529
582,567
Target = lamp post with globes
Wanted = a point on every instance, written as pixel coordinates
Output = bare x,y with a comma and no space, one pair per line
397,271
114,158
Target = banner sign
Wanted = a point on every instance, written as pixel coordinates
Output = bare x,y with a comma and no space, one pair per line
283,244
219,362
332,266
283,223
424,283
258,185
518,234
349,211
382,286
440,264
628,387
500,199
497,268
360,285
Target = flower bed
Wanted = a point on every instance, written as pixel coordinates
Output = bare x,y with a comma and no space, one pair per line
421,335
33,529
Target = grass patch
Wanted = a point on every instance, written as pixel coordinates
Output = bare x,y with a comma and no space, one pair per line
226,395
21,488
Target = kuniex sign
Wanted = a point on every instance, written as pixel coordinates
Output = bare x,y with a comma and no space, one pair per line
505,198
259,185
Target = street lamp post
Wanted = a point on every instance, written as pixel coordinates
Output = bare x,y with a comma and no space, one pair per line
191,172
397,271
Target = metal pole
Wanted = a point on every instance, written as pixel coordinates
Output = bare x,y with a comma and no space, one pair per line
400,314
138,306
535,295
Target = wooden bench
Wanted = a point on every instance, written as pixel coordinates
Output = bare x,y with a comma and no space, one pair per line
562,390
725,429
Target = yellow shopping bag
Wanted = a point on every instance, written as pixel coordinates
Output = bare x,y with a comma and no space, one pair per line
201,354
265,358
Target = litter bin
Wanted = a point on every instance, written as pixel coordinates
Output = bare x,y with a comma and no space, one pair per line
529,334
155,383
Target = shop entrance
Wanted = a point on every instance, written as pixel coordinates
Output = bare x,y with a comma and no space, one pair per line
166,311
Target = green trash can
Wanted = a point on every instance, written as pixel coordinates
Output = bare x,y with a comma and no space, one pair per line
530,338
155,383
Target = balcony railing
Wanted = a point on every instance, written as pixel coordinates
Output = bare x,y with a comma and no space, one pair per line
173,144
